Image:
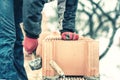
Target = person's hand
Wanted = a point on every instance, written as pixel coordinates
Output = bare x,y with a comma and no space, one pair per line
30,44
69,36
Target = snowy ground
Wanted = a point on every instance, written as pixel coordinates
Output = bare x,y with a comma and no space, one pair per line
110,64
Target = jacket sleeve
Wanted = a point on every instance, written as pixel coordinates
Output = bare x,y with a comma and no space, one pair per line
32,17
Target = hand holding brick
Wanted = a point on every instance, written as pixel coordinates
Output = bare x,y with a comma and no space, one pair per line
30,44
69,36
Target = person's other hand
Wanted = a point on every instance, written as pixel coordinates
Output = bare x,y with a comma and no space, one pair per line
30,44
69,36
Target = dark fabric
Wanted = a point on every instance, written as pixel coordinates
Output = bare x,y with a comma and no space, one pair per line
68,23
32,17
11,48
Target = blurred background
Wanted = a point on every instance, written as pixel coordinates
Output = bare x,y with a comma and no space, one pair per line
99,20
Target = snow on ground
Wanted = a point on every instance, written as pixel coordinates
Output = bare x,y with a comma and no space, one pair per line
110,64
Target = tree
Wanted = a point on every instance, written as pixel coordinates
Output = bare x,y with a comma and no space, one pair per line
94,20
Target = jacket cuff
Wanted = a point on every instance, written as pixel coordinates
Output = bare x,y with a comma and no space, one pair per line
32,36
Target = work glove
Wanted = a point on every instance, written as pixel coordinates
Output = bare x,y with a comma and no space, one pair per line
30,44
69,36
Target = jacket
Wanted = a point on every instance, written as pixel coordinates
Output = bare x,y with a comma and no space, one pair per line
32,17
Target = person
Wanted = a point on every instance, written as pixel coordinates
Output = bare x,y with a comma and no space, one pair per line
32,21
11,37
